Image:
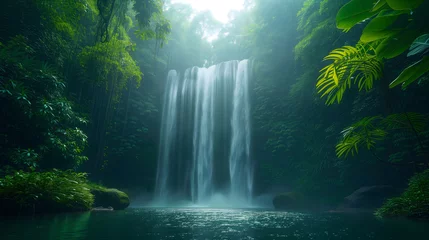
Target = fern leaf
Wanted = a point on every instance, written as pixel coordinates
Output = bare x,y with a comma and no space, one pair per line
358,64
362,133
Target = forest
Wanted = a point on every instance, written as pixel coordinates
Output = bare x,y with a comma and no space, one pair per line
328,110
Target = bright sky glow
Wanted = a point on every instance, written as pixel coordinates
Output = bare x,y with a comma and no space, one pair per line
219,8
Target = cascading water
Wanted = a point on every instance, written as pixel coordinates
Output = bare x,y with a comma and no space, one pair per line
240,167
168,132
205,136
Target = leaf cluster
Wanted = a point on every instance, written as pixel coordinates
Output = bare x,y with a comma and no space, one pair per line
351,65
369,131
394,27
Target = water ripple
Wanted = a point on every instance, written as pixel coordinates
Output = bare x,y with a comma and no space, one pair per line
206,223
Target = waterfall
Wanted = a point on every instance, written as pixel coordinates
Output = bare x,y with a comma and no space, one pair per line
204,148
240,167
168,132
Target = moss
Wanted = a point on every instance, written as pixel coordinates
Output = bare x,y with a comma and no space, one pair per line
44,192
413,203
109,197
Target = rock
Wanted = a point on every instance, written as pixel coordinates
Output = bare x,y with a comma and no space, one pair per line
289,201
369,197
110,197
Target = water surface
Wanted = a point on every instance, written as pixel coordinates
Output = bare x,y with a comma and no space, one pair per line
205,223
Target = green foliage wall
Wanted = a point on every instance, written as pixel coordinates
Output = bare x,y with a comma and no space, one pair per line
296,134
40,127
288,116
64,76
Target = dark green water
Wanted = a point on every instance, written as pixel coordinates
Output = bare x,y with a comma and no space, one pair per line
194,223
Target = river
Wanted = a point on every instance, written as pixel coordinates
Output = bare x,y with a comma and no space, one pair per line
208,223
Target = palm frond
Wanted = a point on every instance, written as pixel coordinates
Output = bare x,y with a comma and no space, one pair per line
351,65
362,133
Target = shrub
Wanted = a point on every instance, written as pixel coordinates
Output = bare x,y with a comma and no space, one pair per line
36,192
413,203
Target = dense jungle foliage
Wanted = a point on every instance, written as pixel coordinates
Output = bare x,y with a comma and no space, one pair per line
339,92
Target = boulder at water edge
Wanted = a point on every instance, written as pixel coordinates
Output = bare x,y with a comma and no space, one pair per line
110,197
289,201
369,197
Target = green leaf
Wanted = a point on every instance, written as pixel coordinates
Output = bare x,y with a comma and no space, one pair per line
404,4
420,45
355,12
412,73
335,76
379,5
382,26
397,44
350,64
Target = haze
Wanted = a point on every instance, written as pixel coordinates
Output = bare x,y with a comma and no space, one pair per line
219,8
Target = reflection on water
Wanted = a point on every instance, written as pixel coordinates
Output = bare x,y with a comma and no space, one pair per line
202,223
63,226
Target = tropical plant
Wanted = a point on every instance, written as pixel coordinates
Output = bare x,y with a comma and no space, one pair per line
369,131
413,203
362,133
351,65
420,45
395,27
415,71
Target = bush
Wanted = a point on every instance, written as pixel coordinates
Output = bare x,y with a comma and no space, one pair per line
43,192
413,203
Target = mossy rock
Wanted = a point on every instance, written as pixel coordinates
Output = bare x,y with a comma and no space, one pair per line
289,201
109,197
369,197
